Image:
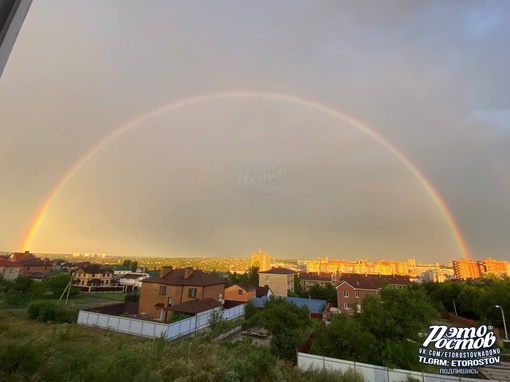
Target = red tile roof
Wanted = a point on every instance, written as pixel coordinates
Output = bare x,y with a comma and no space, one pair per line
9,264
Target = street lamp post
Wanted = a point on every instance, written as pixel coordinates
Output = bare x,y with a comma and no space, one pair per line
504,323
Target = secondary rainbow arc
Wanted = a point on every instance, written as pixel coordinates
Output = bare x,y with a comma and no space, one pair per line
428,186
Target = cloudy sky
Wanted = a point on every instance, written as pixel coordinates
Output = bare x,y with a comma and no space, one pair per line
263,165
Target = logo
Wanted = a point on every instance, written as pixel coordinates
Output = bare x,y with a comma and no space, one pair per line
262,181
459,350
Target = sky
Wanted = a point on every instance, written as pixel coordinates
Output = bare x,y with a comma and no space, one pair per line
305,128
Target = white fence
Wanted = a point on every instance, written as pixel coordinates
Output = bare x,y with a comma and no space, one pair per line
153,329
372,373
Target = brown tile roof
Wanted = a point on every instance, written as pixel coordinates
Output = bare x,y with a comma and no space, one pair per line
262,291
22,256
92,268
246,286
372,282
280,271
176,277
315,276
195,306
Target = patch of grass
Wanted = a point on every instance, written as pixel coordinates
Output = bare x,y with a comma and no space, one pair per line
105,295
69,352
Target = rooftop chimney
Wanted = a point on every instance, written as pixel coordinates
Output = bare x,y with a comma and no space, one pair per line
188,272
165,271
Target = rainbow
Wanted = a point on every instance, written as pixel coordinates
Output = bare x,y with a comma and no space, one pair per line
427,185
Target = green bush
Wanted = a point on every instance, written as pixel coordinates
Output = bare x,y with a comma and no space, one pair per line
132,297
16,298
46,311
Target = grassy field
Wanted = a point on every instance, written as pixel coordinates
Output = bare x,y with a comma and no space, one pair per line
107,296
83,298
34,351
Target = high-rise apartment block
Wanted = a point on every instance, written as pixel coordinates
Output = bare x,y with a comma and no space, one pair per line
261,260
469,269
465,269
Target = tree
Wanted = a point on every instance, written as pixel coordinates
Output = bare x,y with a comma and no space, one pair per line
288,324
298,289
58,283
253,276
233,278
385,333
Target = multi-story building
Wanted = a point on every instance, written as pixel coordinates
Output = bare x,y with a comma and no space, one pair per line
465,269
261,260
177,286
280,280
352,288
489,265
433,276
37,268
92,275
382,267
308,280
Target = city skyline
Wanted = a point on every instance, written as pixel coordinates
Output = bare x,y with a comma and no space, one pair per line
341,131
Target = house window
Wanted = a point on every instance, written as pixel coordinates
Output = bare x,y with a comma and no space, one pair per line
192,292
169,301
162,290
346,306
346,293
267,278
240,292
356,294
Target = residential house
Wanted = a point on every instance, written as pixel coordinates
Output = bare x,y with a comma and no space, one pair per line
133,279
20,257
309,279
177,286
9,270
353,287
118,272
92,275
240,292
37,268
280,280
264,291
